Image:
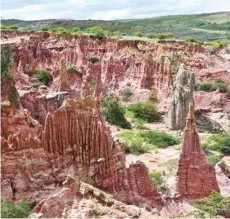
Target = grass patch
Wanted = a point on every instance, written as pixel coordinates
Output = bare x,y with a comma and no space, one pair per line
211,206
212,86
146,111
12,210
143,141
218,143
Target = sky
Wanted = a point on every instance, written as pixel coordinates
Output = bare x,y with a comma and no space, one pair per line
105,9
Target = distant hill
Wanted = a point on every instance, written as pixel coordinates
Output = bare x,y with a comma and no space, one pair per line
204,27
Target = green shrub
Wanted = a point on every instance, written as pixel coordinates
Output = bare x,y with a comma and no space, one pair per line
13,27
114,112
62,30
28,68
138,34
6,56
126,94
146,111
92,85
11,210
14,96
96,31
44,77
143,141
156,178
93,60
217,44
191,40
75,30
44,28
162,36
72,69
211,86
3,27
212,205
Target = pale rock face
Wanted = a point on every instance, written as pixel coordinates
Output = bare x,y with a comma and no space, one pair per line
196,177
182,95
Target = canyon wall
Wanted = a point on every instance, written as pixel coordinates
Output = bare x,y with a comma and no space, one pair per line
74,138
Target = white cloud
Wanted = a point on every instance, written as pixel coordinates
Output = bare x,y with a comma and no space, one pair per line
106,10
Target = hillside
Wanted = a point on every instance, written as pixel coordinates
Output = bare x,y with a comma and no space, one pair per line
203,27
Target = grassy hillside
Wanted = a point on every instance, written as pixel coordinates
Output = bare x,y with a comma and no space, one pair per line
203,27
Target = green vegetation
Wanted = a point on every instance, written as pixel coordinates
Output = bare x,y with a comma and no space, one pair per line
211,86
12,210
211,206
202,27
72,69
114,112
156,178
44,76
93,60
126,94
44,29
218,143
14,96
6,56
217,44
143,141
138,34
162,36
92,85
191,40
146,111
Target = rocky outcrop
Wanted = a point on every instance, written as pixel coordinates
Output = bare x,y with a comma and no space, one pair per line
84,200
182,95
64,86
39,104
223,175
196,177
75,138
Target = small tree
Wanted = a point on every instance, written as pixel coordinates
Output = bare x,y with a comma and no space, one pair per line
44,76
113,112
13,27
11,210
93,60
126,94
44,29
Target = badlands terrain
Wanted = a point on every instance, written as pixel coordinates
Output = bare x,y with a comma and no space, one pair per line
96,126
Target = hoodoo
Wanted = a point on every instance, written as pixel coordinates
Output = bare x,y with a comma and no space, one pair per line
196,177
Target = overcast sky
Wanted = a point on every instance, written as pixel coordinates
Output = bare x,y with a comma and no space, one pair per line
105,9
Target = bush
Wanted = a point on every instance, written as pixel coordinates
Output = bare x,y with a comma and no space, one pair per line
211,86
217,44
62,30
146,111
213,205
6,56
156,178
214,159
138,34
191,40
93,60
143,141
14,96
96,31
44,29
126,94
114,112
13,27
162,36
11,210
72,69
44,77
75,30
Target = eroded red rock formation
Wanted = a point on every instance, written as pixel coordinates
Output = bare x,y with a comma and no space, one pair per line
196,177
75,136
